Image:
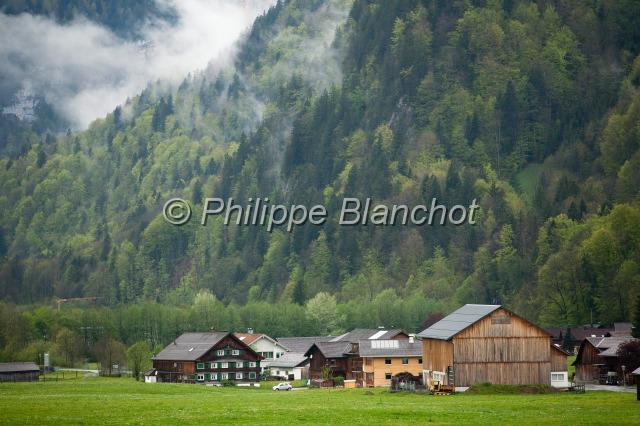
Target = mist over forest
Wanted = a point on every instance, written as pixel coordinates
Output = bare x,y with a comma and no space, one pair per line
109,109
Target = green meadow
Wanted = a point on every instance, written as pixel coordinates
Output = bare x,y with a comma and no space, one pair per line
124,401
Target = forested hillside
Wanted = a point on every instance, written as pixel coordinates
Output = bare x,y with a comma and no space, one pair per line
533,108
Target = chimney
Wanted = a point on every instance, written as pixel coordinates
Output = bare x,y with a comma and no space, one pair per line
411,338
250,330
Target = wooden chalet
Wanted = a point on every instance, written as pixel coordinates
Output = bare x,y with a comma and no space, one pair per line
597,360
340,357
487,344
212,358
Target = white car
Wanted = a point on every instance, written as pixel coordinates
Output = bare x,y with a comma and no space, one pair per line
283,386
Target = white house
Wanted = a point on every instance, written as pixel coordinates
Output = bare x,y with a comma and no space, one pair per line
264,345
290,366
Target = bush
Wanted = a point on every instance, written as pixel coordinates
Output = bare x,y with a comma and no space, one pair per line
228,383
338,381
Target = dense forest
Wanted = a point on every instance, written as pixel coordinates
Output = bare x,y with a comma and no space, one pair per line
532,107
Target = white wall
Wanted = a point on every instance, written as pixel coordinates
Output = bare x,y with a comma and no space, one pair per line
563,383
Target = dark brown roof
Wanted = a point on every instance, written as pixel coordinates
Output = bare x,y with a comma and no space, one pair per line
191,346
301,344
18,367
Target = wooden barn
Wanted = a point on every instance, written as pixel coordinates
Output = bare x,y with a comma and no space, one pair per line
487,344
19,372
597,360
212,357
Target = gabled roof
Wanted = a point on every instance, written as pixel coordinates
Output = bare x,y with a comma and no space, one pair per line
331,349
389,348
559,349
192,346
301,344
365,333
251,338
248,338
636,372
289,360
18,367
610,345
457,321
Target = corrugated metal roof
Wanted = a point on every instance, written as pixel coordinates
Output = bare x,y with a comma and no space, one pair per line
190,346
18,367
403,348
457,321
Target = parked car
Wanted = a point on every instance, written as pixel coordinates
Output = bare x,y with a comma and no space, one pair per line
283,386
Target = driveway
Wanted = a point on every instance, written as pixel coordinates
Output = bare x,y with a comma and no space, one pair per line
629,389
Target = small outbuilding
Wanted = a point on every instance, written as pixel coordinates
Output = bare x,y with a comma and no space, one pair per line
19,372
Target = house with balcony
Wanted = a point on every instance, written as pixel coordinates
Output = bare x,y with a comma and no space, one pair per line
207,358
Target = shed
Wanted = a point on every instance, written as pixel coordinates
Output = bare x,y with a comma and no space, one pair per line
485,343
19,372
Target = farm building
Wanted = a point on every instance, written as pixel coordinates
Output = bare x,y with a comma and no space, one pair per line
19,372
597,360
487,343
340,356
384,360
212,357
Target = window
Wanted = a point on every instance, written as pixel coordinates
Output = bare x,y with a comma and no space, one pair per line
252,364
387,361
224,365
235,352
200,377
225,376
368,361
419,360
220,352
405,361
200,366
238,376
252,375
557,377
387,376
212,365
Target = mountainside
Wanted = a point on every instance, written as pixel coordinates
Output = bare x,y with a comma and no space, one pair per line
532,108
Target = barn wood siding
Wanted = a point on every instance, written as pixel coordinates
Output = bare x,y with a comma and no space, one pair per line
515,373
558,360
586,370
437,355
502,348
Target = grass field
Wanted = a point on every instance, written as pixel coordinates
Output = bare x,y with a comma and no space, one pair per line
123,401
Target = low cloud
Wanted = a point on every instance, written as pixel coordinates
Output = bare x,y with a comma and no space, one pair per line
84,70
